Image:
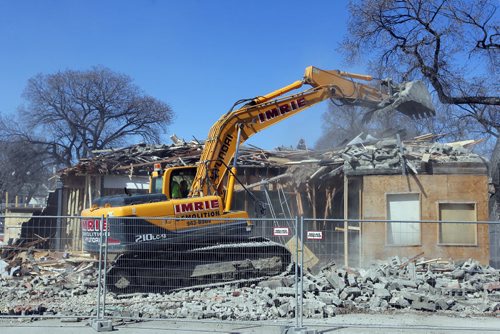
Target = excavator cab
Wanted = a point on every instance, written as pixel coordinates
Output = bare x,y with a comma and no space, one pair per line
174,182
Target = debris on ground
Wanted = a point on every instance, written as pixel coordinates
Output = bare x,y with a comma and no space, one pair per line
65,284
31,279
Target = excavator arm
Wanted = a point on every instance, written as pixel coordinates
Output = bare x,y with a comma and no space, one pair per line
235,127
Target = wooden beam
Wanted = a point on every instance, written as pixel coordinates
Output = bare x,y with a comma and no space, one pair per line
90,191
328,198
85,192
314,207
264,182
300,210
349,228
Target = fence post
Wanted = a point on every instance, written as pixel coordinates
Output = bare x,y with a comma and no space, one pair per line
301,290
100,324
104,290
297,272
299,282
99,273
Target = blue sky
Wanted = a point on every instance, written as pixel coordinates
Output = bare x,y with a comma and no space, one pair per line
198,56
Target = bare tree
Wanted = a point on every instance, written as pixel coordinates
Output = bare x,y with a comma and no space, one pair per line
73,113
452,44
24,168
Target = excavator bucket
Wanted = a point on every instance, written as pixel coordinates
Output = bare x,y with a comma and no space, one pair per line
410,98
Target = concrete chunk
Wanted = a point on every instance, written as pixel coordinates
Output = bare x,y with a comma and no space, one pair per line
313,309
336,281
351,279
350,292
382,293
424,306
398,302
406,283
380,285
284,309
285,291
373,275
329,298
470,266
442,304
458,273
375,302
411,296
458,307
329,311
271,284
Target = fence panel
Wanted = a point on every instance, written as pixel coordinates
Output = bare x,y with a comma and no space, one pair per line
228,269
43,271
422,265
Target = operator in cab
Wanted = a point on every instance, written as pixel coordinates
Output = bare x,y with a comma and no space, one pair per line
176,190
184,189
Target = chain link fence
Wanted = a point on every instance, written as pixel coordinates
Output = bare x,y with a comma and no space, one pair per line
129,269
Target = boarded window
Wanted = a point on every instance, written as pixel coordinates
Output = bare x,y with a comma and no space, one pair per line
403,207
457,234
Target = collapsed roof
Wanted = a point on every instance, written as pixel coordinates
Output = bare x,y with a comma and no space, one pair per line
140,158
362,156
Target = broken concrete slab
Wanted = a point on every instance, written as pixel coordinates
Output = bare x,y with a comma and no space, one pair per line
423,305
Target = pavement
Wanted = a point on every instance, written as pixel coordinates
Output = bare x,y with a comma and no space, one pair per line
349,323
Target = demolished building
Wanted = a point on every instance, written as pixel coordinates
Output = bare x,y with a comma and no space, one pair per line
417,184
415,180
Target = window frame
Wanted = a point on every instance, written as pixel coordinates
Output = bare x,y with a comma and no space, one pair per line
419,243
438,232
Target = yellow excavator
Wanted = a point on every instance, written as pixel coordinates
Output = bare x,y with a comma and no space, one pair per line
207,242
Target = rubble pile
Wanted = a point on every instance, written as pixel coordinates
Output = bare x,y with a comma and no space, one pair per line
392,156
43,282
53,286
139,159
388,154
367,155
432,285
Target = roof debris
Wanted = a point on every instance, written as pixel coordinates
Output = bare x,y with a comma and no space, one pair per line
363,155
141,158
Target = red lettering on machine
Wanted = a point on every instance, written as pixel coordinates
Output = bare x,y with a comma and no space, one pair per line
196,206
93,225
282,109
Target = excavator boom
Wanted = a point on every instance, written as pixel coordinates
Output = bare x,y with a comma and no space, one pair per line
412,99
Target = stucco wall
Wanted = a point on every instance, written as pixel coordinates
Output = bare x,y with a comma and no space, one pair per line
432,189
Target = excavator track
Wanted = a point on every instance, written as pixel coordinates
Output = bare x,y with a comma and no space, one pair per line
240,283
238,263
